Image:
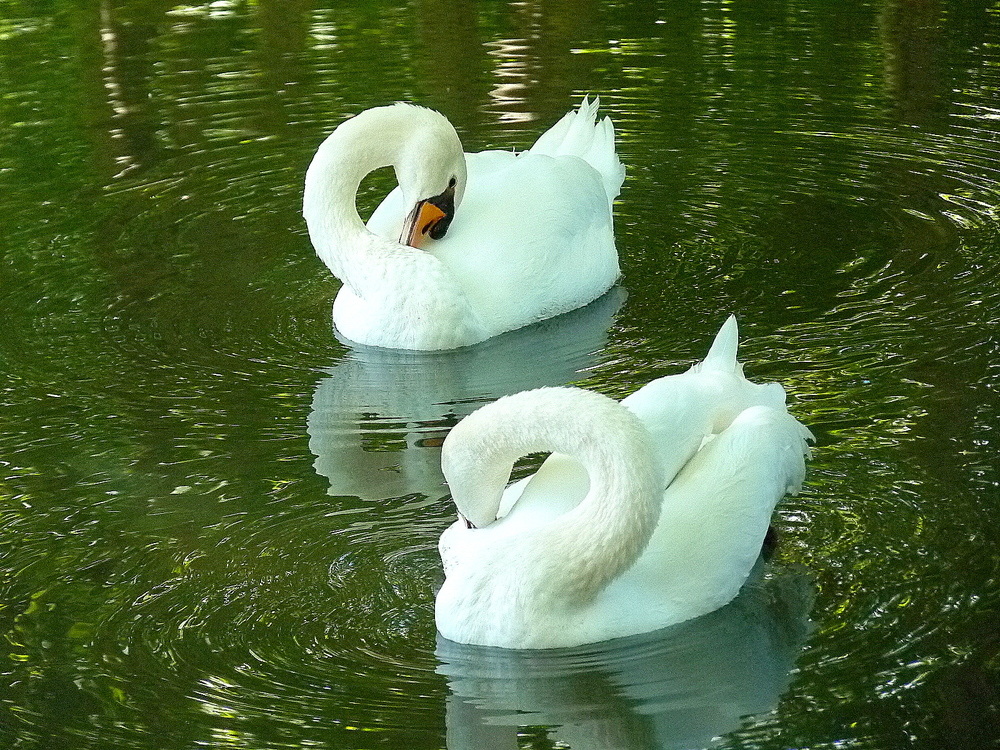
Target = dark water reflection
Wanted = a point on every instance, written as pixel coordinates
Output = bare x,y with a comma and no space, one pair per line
217,522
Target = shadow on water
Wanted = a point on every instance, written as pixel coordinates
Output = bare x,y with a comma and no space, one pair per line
680,687
379,418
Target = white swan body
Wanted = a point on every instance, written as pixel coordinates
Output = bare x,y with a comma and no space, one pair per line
531,235
648,512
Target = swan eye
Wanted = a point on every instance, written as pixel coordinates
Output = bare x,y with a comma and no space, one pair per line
452,182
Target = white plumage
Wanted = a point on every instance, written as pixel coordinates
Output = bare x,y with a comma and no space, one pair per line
531,235
648,512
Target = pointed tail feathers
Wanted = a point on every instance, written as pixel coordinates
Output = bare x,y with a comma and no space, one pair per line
721,355
579,134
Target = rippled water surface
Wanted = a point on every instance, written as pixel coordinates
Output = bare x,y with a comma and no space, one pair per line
218,521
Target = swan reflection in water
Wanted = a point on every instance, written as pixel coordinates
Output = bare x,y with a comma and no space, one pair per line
378,419
680,687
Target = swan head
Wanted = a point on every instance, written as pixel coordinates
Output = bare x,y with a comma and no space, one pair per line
432,174
476,489
478,456
419,144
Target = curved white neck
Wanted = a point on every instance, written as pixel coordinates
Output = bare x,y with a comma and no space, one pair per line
332,181
574,557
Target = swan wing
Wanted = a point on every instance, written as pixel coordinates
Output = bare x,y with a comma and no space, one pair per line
387,219
681,411
579,134
715,515
532,239
533,236
557,487
721,355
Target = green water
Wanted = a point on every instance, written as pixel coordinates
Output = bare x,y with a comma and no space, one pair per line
218,522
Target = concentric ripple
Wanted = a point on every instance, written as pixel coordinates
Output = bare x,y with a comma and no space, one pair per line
218,522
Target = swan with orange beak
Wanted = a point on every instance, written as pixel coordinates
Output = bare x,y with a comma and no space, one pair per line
468,246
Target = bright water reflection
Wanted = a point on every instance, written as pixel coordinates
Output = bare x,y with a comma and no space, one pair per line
173,570
379,418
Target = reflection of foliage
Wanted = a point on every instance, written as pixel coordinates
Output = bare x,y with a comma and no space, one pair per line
132,627
162,534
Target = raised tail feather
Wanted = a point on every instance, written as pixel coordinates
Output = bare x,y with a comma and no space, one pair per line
579,134
721,356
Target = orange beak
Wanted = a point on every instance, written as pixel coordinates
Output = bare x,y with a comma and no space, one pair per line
429,218
422,219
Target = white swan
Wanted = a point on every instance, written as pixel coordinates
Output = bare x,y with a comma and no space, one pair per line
647,513
468,245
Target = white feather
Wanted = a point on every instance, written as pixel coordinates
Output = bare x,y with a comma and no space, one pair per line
647,513
532,236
